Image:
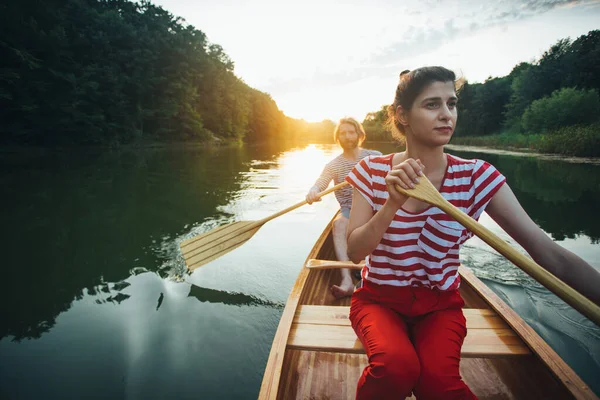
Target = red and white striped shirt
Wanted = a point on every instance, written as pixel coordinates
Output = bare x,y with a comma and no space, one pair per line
422,249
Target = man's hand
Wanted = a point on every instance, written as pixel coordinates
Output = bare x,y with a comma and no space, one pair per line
313,195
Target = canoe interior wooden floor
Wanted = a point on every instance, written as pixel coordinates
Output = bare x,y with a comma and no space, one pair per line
326,375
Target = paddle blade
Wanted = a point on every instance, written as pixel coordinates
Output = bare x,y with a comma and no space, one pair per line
424,191
211,245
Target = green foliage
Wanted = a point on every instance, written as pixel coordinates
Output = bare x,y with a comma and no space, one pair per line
481,106
114,72
577,140
504,140
567,106
375,125
266,122
565,64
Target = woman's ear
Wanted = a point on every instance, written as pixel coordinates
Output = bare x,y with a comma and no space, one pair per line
401,116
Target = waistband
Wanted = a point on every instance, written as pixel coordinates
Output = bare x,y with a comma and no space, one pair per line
404,291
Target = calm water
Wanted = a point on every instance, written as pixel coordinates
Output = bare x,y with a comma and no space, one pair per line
96,303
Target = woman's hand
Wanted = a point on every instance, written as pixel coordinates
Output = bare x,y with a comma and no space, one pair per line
405,174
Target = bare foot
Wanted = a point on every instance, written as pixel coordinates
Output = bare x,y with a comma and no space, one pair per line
346,288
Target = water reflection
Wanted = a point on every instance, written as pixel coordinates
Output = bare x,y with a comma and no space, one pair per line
560,197
230,298
93,243
80,219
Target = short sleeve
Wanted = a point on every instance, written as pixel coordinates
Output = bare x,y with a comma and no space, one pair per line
361,178
486,180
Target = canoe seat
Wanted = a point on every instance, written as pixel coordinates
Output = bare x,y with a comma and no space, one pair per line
327,328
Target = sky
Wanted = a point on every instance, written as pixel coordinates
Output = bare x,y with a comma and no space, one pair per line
327,59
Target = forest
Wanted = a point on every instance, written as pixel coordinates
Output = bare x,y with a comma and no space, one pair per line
112,72
117,72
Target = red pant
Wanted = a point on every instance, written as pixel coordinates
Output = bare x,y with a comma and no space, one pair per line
413,338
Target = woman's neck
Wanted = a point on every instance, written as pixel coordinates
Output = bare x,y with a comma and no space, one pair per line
434,159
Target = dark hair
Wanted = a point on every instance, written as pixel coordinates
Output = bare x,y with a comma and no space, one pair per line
410,85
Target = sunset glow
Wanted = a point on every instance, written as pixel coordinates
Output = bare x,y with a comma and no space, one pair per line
321,59
301,168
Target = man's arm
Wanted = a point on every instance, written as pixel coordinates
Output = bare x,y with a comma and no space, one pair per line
321,184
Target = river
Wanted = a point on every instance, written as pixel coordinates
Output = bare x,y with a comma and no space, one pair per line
96,302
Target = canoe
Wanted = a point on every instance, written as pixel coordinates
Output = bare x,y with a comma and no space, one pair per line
316,355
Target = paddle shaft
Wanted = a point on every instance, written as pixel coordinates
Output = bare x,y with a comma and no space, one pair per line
204,248
314,263
550,281
277,214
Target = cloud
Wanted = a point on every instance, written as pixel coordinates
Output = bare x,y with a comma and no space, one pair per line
471,19
513,11
541,6
416,41
421,37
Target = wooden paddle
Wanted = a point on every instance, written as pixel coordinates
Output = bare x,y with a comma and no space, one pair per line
425,191
204,248
313,263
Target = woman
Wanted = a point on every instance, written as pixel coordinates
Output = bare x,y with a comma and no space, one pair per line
408,314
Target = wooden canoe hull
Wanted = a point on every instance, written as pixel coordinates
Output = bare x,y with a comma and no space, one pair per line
304,372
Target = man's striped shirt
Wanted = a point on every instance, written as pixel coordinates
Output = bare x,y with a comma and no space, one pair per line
422,249
337,170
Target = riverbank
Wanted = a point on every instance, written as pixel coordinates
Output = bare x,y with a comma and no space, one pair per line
150,144
578,141
135,145
574,141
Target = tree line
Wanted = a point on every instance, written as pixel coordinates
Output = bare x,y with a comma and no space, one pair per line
559,90
110,72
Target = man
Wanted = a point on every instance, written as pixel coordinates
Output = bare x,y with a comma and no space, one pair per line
349,134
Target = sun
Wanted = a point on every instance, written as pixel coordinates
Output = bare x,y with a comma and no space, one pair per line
300,168
317,103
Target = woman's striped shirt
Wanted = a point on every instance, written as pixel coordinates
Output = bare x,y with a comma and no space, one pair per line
422,249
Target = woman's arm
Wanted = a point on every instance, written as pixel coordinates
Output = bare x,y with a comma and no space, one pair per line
505,209
366,229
